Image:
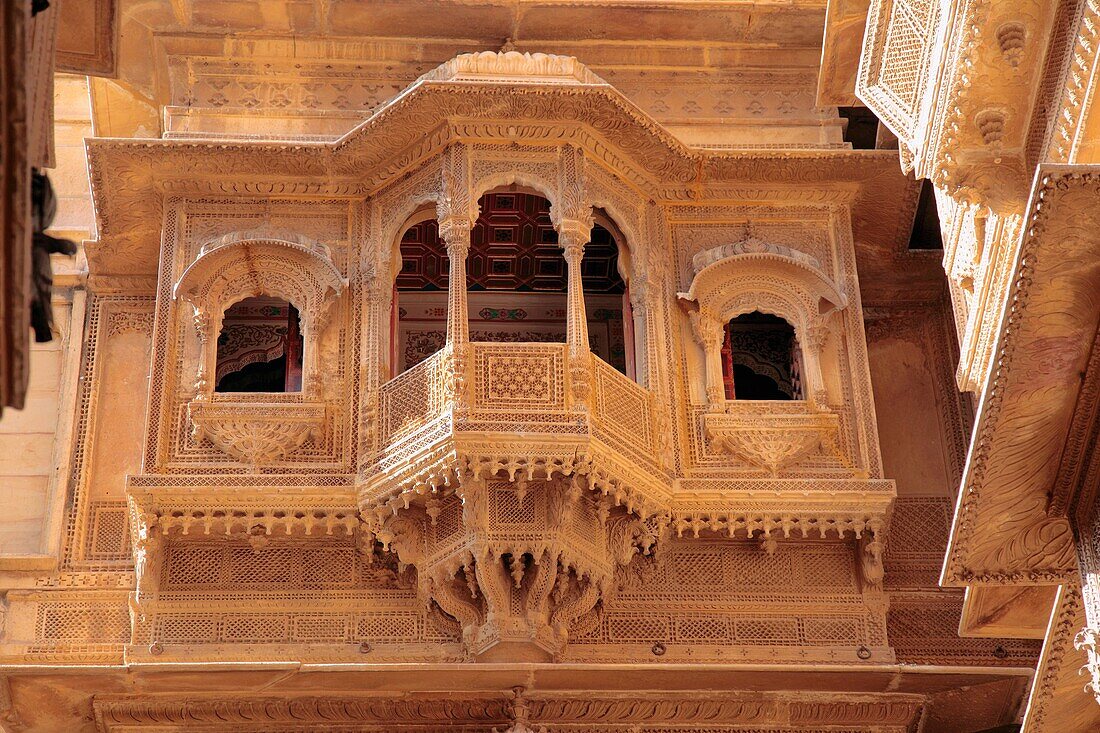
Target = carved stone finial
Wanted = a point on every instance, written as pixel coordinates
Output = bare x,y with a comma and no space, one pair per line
521,714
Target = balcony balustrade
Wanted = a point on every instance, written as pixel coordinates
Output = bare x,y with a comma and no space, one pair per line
513,409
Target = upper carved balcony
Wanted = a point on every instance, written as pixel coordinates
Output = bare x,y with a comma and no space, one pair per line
517,409
516,480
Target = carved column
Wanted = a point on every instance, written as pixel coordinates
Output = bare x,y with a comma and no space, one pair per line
639,307
149,549
816,336
455,232
573,236
311,377
207,352
708,332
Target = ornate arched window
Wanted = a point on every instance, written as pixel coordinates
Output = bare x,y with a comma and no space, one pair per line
777,291
241,266
761,358
515,280
260,347
284,278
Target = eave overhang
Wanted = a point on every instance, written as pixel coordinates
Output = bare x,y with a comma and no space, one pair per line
131,178
1004,529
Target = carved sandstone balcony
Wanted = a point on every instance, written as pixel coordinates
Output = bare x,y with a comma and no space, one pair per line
773,439
520,410
256,432
515,479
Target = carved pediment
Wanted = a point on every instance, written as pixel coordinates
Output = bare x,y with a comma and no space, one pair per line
513,66
725,274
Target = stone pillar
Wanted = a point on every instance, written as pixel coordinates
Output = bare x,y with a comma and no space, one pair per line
708,332
455,232
816,336
639,309
204,325
311,343
573,236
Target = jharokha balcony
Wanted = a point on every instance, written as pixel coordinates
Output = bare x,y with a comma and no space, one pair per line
524,411
513,470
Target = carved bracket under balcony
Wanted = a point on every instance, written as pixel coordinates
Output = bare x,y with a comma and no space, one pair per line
773,442
256,433
520,565
164,507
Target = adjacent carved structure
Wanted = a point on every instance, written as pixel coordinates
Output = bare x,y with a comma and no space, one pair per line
532,508
990,103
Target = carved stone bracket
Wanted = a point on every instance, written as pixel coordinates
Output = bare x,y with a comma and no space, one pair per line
519,564
256,433
773,442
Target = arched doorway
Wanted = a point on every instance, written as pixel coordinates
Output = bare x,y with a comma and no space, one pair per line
516,284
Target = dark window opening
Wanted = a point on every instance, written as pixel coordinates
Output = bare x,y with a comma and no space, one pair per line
862,128
516,279
260,347
926,223
761,359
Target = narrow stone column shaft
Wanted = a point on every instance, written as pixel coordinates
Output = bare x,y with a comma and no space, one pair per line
573,241
455,232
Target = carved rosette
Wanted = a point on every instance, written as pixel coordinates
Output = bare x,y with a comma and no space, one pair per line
520,565
256,433
773,442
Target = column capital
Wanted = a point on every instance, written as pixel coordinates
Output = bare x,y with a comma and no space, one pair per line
708,330
573,232
455,232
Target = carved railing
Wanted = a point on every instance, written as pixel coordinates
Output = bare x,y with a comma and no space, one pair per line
511,470
625,416
773,435
411,399
514,404
523,388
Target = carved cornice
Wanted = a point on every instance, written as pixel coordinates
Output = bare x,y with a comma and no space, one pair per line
1057,702
187,504
526,68
807,712
130,177
1002,530
1074,100
961,105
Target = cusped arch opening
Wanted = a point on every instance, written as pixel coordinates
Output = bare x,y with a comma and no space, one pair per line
761,358
260,346
516,282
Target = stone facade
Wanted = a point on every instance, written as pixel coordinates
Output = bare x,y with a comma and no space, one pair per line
517,534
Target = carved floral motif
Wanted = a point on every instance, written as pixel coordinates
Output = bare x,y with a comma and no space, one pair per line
256,433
